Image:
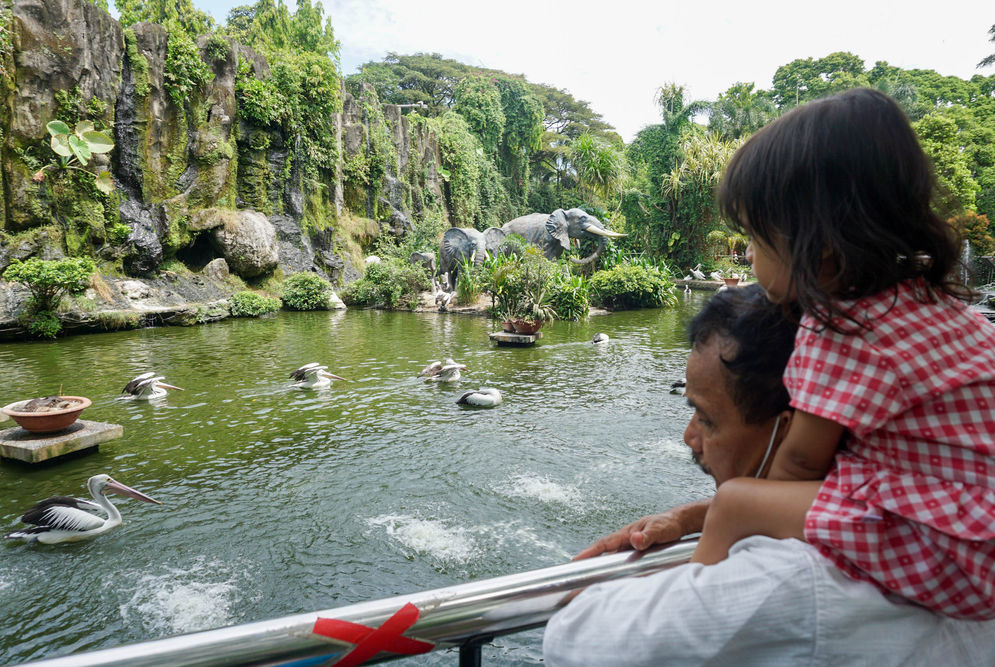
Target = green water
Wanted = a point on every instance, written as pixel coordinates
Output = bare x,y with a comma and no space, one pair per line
279,500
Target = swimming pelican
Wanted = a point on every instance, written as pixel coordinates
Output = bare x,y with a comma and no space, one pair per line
678,387
482,398
65,519
448,372
313,376
600,338
687,290
432,369
147,386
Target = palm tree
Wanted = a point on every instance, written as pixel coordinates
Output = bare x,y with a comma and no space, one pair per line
740,111
673,111
601,168
990,59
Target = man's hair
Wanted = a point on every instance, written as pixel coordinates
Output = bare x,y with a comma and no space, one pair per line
763,336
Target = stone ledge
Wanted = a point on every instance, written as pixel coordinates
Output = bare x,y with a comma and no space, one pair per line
16,443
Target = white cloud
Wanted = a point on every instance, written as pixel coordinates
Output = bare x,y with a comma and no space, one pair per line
616,54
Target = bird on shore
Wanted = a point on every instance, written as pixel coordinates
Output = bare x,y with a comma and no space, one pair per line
485,397
698,273
600,338
67,519
147,386
447,371
313,376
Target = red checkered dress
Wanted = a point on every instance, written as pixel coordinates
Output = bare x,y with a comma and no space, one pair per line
910,503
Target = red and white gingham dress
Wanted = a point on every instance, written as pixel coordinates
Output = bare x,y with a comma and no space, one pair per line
910,503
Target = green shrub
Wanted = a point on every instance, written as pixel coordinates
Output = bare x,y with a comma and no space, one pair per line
306,291
49,280
393,284
469,283
250,304
570,297
41,323
631,286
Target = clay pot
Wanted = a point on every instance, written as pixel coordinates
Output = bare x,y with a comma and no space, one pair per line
508,326
49,421
731,282
528,328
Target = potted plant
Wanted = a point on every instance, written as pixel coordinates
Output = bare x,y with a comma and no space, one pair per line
535,310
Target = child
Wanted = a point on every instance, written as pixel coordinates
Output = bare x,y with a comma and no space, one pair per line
892,376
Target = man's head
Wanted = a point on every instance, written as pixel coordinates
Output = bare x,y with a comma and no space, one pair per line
740,344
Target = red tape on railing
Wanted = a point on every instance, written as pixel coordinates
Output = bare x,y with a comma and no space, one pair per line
370,641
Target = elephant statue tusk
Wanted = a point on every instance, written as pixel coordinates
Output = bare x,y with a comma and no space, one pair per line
603,232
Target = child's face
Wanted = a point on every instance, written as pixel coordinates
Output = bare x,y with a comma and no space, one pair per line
772,269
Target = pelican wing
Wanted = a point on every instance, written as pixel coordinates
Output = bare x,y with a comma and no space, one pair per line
304,370
132,387
64,513
464,399
432,369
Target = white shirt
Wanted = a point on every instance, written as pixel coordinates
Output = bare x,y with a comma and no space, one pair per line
771,602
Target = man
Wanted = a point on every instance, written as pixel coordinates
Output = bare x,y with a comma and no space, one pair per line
772,602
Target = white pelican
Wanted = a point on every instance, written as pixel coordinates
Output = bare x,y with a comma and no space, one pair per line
698,273
432,369
147,386
448,372
313,376
715,275
678,387
600,338
65,519
482,398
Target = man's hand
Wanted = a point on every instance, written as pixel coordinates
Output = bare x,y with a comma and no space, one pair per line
651,530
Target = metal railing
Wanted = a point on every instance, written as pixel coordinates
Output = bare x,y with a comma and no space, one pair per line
466,616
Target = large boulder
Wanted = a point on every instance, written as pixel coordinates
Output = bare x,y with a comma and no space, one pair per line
247,241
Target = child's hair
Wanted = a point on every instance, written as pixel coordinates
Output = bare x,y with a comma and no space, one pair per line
843,178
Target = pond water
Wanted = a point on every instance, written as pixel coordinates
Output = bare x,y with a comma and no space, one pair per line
278,501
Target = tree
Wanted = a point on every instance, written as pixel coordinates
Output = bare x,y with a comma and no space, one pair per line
478,100
740,111
675,112
601,168
801,80
166,12
989,60
939,135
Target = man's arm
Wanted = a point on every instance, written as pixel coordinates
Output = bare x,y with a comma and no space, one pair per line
652,529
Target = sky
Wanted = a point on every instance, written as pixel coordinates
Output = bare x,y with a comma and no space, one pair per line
616,54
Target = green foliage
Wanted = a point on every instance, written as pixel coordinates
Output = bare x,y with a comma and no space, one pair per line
740,111
393,284
631,286
217,47
601,168
185,70
180,13
6,43
569,296
49,281
75,148
988,60
118,233
938,134
520,285
478,101
468,283
306,291
252,304
808,79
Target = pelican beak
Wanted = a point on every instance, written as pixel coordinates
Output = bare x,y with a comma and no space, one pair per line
332,377
168,386
122,490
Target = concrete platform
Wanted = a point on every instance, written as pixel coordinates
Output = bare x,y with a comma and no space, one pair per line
16,443
506,338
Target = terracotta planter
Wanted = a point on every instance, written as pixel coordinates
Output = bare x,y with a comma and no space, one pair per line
528,328
508,326
731,282
47,421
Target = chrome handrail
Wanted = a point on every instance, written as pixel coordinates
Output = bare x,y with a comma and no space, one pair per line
452,616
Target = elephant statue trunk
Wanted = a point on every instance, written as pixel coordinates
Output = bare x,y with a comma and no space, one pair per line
604,235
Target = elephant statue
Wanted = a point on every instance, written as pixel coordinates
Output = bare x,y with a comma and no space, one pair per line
552,233
493,238
459,245
426,259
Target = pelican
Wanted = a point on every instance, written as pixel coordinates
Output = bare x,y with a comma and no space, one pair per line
449,371
65,519
678,387
687,290
482,398
432,369
147,386
600,338
698,273
715,275
313,376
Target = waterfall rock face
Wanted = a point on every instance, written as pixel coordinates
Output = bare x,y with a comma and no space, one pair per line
247,241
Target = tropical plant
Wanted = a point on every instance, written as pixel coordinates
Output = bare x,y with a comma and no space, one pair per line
49,281
631,286
569,297
251,304
75,148
306,291
988,60
468,286
601,168
393,284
